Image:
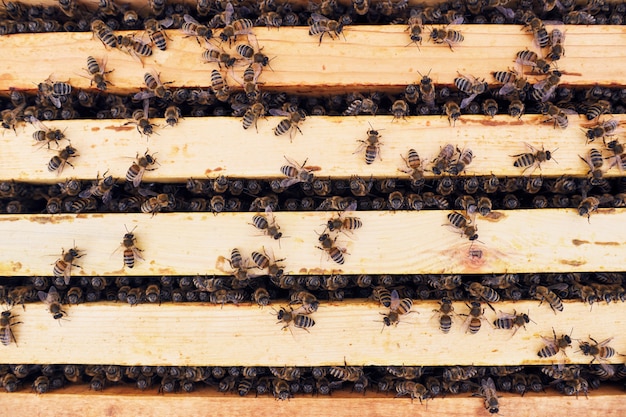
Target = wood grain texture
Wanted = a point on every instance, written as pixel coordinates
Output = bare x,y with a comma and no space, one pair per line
214,146
401,242
123,402
303,66
179,334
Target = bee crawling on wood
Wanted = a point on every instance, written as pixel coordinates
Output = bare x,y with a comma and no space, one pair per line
6,322
533,159
397,307
600,351
371,145
554,345
63,265
131,252
300,321
321,25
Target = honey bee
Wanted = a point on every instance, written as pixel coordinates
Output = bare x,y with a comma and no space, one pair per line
235,28
136,171
597,109
295,173
321,25
487,390
600,351
267,223
63,265
46,134
172,114
427,90
102,187
281,389
556,45
191,27
135,47
416,27
544,89
270,19
156,88
383,295
516,108
219,86
157,202
399,109
464,224
371,145
465,158
595,161
545,294
511,321
6,334
53,300
477,290
411,388
294,117
587,206
414,165
97,73
308,301
445,312
157,6
10,117
532,160
334,252
261,296
218,56
539,31
348,223
263,261
554,345
512,82
601,130
474,319
470,85
449,36
397,307
142,121
54,91
452,110
130,250
104,33
531,59
156,33
300,321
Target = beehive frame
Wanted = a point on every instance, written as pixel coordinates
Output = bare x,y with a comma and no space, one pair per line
593,246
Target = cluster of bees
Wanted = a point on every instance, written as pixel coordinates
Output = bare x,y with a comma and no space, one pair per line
223,194
416,382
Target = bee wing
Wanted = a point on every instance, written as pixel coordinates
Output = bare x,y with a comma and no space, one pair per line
136,180
352,206
87,192
280,112
143,95
67,273
106,198
466,101
229,10
167,22
549,342
146,192
506,12
605,342
137,253
503,315
55,100
288,182
53,295
316,17
395,300
189,19
488,384
43,297
506,89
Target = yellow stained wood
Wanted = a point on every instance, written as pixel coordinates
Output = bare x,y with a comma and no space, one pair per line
246,335
302,66
126,402
210,147
401,242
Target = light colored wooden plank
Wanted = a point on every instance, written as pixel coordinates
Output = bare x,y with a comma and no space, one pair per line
551,240
245,335
123,402
210,147
303,66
